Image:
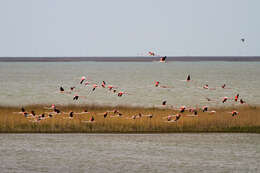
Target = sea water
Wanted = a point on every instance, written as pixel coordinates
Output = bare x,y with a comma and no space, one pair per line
155,153
23,83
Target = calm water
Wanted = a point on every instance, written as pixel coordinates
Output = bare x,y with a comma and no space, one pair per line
38,82
130,153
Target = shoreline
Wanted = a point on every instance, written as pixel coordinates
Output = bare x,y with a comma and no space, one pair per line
141,133
132,59
247,121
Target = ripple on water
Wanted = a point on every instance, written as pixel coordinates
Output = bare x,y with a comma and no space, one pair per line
38,82
130,152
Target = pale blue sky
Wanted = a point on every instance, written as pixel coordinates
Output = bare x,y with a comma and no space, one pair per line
129,28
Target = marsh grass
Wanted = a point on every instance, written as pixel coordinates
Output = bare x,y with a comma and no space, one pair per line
248,120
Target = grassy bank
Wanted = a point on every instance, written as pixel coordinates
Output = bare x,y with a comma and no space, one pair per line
248,120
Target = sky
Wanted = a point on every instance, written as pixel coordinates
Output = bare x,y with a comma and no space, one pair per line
40,28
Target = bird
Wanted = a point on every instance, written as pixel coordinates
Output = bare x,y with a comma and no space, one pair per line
164,102
61,89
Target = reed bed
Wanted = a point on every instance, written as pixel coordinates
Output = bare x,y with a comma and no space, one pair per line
248,120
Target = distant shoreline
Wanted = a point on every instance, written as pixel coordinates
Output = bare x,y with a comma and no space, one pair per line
131,59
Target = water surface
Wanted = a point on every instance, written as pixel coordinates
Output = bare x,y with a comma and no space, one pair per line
38,82
130,153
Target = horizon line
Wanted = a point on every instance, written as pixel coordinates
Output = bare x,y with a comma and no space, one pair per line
127,58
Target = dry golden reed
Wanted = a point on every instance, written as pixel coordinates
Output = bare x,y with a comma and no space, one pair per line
248,120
